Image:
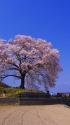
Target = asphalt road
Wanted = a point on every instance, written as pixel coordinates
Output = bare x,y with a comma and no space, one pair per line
35,115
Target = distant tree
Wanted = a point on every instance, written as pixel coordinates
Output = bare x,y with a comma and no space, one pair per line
25,56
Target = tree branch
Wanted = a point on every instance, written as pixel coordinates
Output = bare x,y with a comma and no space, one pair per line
10,75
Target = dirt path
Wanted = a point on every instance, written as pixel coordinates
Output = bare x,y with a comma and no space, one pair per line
35,115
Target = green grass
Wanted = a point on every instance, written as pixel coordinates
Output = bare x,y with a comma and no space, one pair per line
14,92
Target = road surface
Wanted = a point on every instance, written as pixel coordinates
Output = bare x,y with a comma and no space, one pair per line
35,115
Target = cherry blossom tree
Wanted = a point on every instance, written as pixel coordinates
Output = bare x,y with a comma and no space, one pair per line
30,60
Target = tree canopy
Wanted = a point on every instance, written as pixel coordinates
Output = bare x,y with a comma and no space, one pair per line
30,60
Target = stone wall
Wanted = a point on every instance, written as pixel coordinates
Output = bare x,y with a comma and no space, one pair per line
34,101
42,101
8,100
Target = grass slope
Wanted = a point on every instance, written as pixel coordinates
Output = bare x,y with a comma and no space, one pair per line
12,92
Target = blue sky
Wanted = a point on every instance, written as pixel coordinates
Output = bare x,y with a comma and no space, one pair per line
47,19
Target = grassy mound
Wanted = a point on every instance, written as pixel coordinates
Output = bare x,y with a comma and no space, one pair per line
14,92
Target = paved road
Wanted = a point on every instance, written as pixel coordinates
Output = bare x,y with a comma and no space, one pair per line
35,115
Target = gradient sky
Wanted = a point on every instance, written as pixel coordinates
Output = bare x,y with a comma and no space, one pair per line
46,19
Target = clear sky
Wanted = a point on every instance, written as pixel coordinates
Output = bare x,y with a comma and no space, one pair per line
46,19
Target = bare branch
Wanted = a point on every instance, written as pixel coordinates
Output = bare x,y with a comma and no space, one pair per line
3,77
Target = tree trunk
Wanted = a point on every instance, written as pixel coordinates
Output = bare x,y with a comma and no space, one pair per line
22,82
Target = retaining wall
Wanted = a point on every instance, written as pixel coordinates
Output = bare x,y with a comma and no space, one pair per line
8,100
34,101
42,101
